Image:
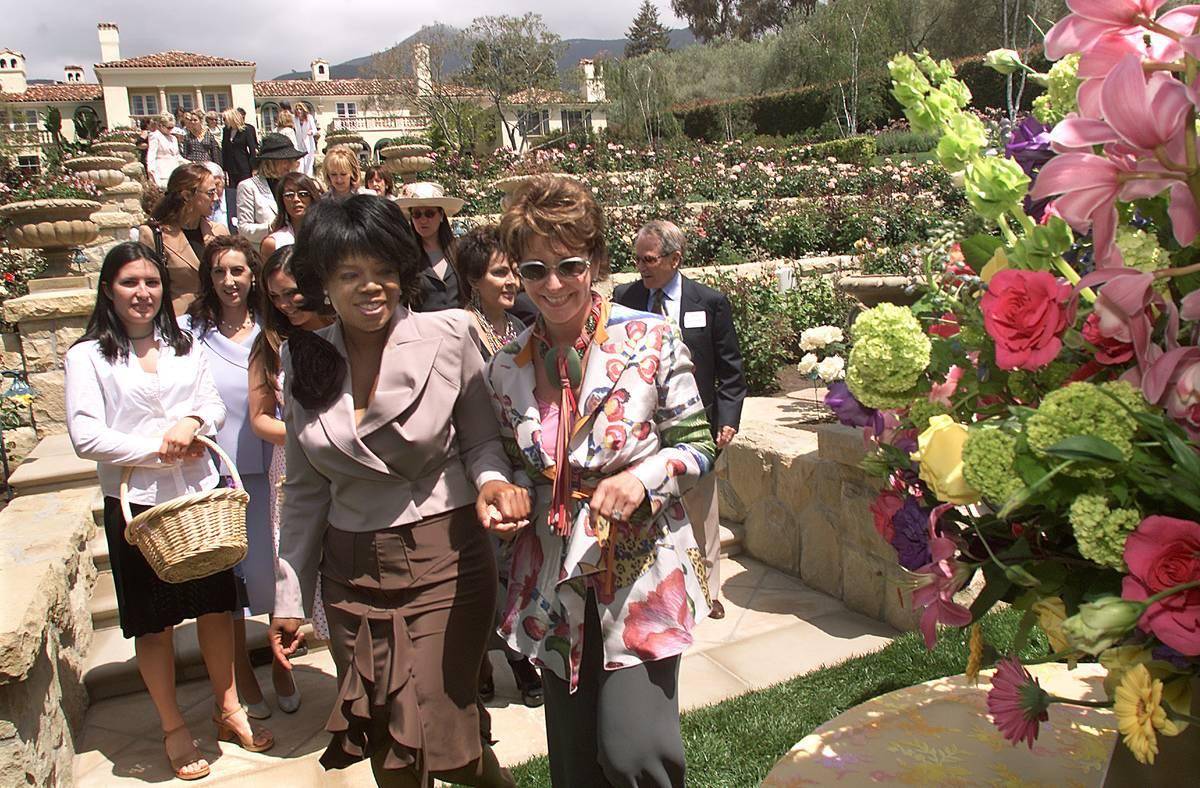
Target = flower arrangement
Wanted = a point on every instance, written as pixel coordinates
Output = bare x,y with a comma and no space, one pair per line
1035,413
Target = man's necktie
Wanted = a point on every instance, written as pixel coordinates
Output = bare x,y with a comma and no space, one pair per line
658,299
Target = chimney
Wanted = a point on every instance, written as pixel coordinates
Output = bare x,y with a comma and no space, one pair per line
593,81
110,42
12,72
320,70
421,71
72,74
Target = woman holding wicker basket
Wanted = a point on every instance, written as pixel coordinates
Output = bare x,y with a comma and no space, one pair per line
138,398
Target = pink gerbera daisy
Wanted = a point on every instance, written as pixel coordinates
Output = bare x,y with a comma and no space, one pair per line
1017,702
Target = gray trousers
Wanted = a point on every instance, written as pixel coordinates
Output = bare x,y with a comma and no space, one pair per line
620,728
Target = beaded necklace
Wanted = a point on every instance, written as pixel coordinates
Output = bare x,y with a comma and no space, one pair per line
493,340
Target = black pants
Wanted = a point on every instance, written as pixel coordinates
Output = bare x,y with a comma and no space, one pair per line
620,728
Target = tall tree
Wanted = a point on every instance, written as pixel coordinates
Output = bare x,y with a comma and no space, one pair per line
646,34
512,58
711,20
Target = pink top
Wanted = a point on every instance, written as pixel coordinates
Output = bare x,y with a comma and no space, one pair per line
549,413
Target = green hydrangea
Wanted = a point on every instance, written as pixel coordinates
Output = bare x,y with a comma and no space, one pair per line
1062,82
890,352
994,185
964,139
1085,409
1101,531
922,410
989,464
1141,251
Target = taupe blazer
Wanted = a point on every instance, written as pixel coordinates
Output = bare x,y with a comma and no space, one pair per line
181,260
427,441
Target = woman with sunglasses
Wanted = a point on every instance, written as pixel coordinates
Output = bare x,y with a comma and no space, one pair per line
606,584
294,195
429,210
179,229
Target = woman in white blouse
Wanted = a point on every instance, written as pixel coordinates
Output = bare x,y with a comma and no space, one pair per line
162,151
137,396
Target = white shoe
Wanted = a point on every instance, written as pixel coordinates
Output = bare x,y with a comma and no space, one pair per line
289,703
258,711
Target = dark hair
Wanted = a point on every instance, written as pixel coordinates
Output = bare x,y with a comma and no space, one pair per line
473,252
106,328
183,181
378,169
205,311
445,237
276,327
292,180
335,229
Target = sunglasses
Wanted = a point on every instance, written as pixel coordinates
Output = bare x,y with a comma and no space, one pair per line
303,194
570,268
427,213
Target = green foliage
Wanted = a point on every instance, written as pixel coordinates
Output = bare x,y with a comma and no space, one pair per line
892,142
764,328
646,34
851,150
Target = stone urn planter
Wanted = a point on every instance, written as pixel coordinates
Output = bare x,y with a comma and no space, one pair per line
58,227
871,290
104,171
351,141
126,151
407,161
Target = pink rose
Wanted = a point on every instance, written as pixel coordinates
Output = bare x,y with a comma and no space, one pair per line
1110,349
883,509
1164,552
1025,313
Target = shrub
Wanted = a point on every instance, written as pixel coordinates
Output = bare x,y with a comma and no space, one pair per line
850,150
891,143
816,301
764,328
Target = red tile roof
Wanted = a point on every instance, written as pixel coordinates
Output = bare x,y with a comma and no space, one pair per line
332,87
174,59
540,96
50,93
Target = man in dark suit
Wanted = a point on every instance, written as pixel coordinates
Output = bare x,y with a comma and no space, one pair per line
706,322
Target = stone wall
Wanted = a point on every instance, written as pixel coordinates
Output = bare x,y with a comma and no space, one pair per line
46,579
797,491
49,321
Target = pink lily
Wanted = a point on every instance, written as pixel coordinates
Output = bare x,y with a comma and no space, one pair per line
1146,112
1173,382
1090,19
941,579
942,392
1088,186
1126,307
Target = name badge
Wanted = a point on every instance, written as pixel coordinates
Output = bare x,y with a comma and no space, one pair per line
695,319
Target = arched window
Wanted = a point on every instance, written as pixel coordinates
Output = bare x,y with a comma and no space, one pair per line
268,113
320,69
3,63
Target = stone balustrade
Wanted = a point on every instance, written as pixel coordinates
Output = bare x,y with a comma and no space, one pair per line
46,580
804,504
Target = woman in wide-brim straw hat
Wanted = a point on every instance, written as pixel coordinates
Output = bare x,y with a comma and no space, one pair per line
429,210
256,205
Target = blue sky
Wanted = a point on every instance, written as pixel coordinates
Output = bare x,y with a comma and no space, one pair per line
281,35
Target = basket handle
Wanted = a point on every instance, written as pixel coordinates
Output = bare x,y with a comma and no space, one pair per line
128,471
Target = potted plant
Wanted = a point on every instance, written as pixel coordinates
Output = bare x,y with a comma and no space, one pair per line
51,213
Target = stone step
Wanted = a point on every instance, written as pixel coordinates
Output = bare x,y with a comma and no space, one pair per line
51,466
103,604
731,539
111,668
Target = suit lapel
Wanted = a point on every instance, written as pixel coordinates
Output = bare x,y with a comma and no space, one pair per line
403,372
636,296
338,419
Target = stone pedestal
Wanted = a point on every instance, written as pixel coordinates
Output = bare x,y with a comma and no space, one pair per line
49,322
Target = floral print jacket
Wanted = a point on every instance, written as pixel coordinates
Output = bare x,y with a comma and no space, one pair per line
639,411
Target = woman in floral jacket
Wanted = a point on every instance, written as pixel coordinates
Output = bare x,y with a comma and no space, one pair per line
608,582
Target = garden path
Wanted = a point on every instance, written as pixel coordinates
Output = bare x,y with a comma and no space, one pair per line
775,628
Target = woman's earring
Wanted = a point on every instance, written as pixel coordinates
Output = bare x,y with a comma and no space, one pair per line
327,301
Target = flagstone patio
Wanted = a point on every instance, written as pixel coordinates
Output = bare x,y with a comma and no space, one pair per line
775,628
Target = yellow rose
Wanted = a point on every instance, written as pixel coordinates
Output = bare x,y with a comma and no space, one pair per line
1051,613
939,451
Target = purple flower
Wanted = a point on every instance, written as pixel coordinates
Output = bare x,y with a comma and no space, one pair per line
910,534
849,410
1029,146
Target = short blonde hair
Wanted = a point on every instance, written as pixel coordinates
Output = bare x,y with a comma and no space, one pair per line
284,119
233,119
561,210
163,117
276,168
341,154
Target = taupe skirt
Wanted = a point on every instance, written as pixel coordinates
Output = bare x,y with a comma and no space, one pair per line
410,612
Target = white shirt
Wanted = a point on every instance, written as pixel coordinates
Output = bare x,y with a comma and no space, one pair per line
671,295
117,414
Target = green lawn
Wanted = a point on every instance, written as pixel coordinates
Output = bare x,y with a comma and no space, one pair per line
735,743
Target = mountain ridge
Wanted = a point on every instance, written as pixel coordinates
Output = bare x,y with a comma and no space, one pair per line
577,49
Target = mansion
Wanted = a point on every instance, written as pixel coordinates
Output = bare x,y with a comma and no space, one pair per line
129,90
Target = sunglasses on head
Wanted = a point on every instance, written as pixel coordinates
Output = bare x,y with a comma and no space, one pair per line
569,268
303,194
426,213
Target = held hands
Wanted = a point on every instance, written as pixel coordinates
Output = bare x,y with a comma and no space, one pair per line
180,442
285,638
725,436
503,508
617,497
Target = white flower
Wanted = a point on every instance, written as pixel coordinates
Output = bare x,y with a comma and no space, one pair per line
807,364
820,336
831,369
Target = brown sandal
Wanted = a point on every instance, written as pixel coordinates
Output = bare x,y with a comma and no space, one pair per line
260,739
179,763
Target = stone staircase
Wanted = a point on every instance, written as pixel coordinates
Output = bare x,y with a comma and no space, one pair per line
111,669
